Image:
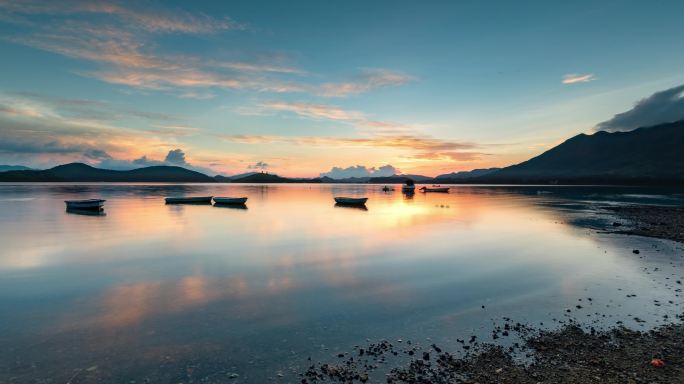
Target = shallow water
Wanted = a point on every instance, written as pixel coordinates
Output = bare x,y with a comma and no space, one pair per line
190,293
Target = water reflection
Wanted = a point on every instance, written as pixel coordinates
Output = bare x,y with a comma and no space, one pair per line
351,206
86,212
154,289
231,206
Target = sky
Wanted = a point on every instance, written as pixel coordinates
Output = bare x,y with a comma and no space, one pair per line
342,88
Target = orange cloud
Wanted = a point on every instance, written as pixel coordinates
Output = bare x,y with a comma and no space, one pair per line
573,78
369,79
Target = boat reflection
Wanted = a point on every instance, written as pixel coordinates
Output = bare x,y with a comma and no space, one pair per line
231,206
352,206
85,212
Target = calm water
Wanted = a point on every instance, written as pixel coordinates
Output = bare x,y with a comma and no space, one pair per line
186,293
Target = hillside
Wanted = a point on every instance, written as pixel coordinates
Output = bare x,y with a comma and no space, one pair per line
643,155
465,174
5,168
78,172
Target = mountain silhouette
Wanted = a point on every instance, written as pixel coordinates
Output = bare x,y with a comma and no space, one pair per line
653,154
78,172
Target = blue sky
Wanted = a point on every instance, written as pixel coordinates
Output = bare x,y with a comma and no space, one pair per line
300,87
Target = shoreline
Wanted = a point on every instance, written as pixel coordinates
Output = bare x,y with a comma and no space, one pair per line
574,352
663,222
571,354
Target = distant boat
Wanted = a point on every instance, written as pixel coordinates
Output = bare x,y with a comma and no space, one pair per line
387,189
440,189
409,187
351,200
80,205
189,200
230,200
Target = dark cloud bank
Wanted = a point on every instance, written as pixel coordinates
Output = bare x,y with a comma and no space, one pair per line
661,107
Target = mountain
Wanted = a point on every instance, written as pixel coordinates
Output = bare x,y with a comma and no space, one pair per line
259,178
228,179
4,168
644,155
77,172
398,179
466,174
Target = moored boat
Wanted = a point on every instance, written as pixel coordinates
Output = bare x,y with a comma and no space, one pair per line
189,200
440,189
409,187
351,200
89,204
230,200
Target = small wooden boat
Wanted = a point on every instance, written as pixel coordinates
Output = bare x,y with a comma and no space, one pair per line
90,204
351,200
230,200
409,187
189,200
440,189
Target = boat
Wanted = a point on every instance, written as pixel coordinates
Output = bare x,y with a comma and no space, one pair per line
440,189
351,200
409,187
189,200
387,189
90,205
230,200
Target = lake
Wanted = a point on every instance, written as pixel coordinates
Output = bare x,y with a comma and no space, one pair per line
151,292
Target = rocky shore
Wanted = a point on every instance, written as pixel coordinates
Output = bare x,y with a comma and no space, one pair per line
570,354
652,221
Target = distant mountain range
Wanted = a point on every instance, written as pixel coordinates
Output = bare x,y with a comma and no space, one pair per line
467,174
5,168
77,172
650,155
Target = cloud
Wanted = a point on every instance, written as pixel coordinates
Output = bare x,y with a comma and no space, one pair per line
573,78
448,156
47,131
258,165
661,107
32,104
153,19
257,67
360,171
122,41
369,79
400,141
316,111
420,147
333,113
176,157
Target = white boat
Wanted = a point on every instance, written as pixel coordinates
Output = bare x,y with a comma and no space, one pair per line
230,200
440,189
351,200
189,200
90,204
